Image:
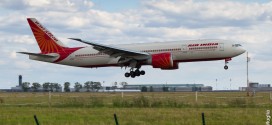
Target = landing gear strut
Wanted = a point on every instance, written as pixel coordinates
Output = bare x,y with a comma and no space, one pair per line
226,62
135,73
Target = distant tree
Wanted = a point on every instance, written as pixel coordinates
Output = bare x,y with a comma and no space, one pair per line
115,83
25,86
114,86
96,86
52,86
77,86
123,84
46,86
67,86
88,85
57,87
35,86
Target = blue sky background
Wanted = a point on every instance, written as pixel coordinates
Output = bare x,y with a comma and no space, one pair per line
133,21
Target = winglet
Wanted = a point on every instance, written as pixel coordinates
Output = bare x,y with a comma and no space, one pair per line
80,40
77,39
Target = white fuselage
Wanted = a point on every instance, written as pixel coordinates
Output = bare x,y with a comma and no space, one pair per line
182,51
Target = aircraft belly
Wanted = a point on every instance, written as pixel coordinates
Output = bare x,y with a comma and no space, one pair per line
86,61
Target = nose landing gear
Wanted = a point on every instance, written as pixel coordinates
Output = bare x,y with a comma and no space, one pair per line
226,62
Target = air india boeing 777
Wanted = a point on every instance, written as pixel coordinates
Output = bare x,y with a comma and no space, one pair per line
163,55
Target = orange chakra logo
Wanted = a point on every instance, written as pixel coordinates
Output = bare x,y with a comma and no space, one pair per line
46,40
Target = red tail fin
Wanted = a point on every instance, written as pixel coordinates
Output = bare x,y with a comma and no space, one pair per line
47,42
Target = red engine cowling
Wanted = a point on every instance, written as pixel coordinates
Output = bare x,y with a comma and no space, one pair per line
163,61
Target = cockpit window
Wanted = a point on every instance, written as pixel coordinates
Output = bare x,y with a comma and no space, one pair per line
236,45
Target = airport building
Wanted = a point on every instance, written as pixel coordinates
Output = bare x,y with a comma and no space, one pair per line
18,88
255,86
152,88
168,87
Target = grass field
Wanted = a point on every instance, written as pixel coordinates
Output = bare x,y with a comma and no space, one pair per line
184,108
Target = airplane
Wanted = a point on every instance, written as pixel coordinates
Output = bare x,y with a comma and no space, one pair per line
162,55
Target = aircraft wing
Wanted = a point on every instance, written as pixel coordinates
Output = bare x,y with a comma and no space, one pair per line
115,51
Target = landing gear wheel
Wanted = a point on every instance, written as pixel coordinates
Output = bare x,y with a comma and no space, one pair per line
137,73
226,67
132,74
127,74
142,72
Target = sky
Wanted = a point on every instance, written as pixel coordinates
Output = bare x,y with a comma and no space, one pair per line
248,22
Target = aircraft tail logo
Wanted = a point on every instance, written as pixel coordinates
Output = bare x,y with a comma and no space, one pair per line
47,42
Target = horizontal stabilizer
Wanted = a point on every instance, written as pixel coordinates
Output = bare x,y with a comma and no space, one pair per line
37,54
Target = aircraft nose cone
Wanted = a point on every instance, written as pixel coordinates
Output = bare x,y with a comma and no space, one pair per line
242,50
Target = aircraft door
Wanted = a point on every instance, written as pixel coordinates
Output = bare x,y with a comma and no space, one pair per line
221,46
184,48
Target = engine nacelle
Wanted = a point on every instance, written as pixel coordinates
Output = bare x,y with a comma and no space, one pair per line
163,61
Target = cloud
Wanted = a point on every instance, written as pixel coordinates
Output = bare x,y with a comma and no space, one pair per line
39,3
199,14
2,62
22,65
88,3
106,19
21,39
77,22
15,4
47,5
13,55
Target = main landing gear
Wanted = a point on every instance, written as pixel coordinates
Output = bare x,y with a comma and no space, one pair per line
226,62
135,73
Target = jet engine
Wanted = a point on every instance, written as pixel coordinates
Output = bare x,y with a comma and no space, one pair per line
163,61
